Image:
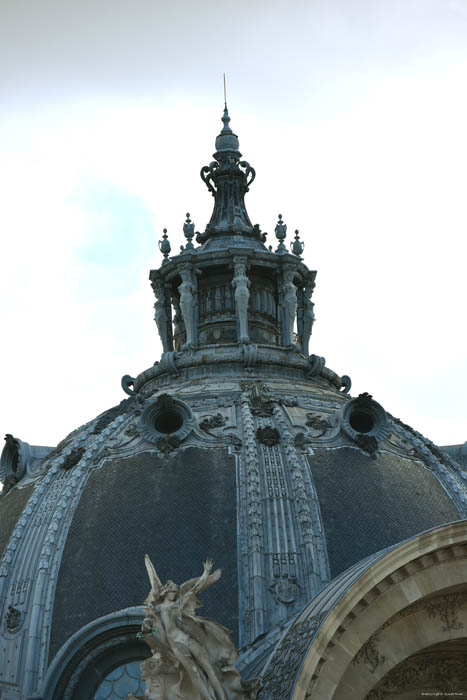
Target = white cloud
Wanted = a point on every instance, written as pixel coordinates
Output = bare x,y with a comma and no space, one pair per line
353,116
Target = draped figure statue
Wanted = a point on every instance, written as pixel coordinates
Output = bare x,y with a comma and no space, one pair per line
187,305
160,313
289,305
192,657
308,318
241,283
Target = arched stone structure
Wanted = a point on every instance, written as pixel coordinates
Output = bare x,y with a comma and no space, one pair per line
91,653
384,612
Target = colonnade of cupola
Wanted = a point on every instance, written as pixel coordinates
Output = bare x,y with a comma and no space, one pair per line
232,289
233,296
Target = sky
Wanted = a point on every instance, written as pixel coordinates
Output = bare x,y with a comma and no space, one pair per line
352,112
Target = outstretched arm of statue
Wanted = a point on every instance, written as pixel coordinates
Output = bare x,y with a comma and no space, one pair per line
199,584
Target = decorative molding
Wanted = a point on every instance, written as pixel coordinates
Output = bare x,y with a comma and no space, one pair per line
168,364
166,405
168,443
307,510
369,654
281,672
251,533
127,382
72,457
260,401
443,673
368,443
13,620
210,422
447,607
36,544
268,436
317,423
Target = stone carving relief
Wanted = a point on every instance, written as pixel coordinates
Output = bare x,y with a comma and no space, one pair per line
445,607
235,442
303,443
367,443
168,443
13,620
369,654
430,675
73,458
285,587
285,590
268,436
317,424
210,422
132,431
192,657
280,675
261,404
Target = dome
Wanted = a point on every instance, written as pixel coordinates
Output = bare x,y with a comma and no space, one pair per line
236,445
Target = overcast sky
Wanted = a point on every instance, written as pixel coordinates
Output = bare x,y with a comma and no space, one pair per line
352,112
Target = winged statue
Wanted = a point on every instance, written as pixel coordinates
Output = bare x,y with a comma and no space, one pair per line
193,657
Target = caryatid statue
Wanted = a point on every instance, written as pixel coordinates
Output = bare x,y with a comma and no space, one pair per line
160,312
192,657
187,304
308,316
289,305
241,283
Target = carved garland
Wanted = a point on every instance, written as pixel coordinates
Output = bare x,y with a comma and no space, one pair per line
446,673
446,607
282,670
253,543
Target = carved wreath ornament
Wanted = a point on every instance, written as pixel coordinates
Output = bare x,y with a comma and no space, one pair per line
268,436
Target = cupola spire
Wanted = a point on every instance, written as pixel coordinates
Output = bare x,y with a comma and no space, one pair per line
228,178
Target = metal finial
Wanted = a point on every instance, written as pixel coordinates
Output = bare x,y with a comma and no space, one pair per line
164,246
189,231
297,245
281,232
225,95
